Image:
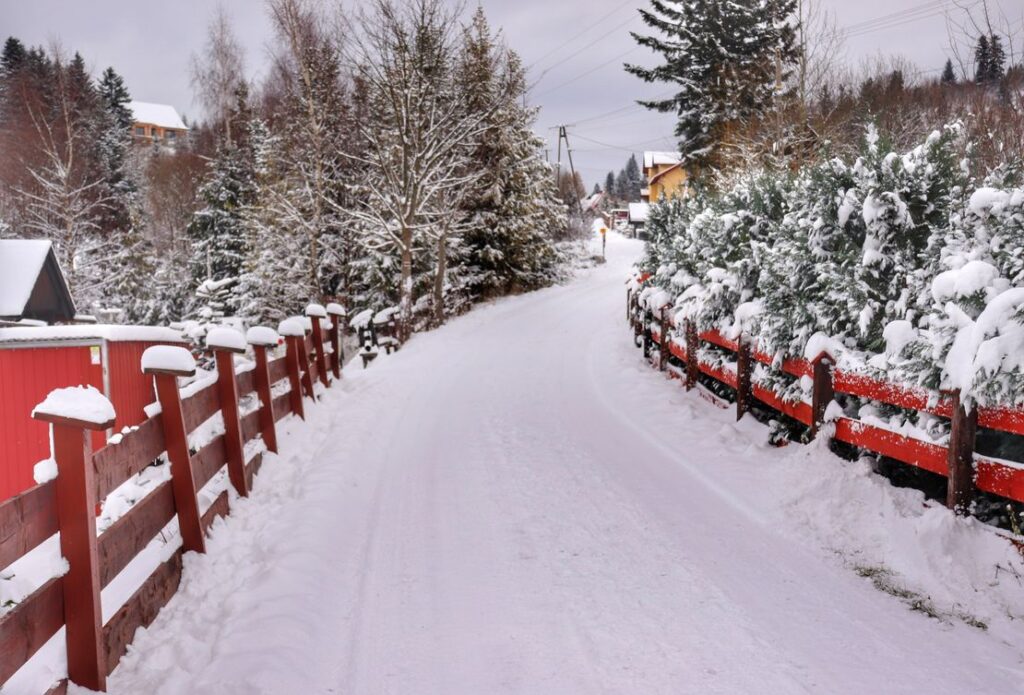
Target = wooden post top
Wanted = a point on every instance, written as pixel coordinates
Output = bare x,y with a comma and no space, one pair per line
168,372
73,422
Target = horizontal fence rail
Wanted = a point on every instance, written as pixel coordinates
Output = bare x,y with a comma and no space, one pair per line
656,331
67,504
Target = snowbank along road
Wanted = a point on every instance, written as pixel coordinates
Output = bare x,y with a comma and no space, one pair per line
516,503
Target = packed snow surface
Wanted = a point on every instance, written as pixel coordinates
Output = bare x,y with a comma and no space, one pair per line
499,509
169,358
83,403
262,335
225,338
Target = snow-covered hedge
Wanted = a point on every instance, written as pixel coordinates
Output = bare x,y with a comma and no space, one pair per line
905,263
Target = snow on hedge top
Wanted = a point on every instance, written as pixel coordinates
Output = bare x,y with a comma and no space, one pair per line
225,338
316,310
291,328
639,212
336,309
986,200
168,358
114,334
160,115
362,319
262,335
83,403
385,315
21,261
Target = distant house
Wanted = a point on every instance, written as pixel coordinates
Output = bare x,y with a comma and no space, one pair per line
638,213
159,123
665,175
32,284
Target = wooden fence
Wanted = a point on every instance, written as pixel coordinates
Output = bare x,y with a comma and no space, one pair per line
67,505
965,470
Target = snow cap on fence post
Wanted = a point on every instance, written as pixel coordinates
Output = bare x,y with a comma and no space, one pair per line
335,309
292,327
225,338
337,313
316,311
72,413
295,336
262,336
171,360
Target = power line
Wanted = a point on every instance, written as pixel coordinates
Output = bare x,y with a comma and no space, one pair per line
614,29
588,72
556,49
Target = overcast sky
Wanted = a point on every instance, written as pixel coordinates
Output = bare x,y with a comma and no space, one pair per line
575,49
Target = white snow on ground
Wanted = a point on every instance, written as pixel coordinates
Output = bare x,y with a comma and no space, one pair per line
517,503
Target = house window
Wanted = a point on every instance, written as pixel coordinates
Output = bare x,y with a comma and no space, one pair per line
139,130
171,135
154,133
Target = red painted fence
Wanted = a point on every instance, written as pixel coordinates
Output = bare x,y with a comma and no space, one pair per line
966,470
67,505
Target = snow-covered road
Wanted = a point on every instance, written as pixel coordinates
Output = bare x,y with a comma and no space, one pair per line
516,504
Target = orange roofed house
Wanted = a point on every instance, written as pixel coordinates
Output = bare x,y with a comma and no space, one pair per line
157,123
665,175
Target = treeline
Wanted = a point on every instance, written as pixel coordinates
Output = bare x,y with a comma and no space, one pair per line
389,163
627,186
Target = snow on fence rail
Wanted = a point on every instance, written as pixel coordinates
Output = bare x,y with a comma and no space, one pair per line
67,504
965,470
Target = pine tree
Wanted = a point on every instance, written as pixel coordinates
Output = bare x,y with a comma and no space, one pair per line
216,233
724,58
948,76
982,60
609,184
634,179
997,59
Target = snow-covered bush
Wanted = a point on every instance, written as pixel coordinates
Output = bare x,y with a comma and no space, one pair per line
911,269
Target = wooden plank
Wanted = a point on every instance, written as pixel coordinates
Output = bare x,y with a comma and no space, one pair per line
27,520
141,609
282,405
220,507
253,467
915,452
127,536
250,425
798,411
208,460
246,383
200,407
908,397
278,369
27,627
116,463
716,338
999,479
720,373
234,446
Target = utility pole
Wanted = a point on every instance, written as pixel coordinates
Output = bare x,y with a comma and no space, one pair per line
563,134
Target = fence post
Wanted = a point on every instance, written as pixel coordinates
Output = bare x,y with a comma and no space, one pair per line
822,391
261,340
294,336
315,312
224,352
663,349
960,457
307,375
76,518
743,373
336,335
692,366
172,419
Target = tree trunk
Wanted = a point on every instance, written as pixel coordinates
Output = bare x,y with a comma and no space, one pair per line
405,286
442,268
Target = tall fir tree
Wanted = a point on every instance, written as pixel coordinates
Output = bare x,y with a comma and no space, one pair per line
725,60
948,76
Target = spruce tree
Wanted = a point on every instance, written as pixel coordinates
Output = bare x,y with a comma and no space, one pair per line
609,184
997,59
948,76
724,59
982,60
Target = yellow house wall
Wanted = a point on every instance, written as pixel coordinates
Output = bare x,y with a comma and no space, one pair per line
669,184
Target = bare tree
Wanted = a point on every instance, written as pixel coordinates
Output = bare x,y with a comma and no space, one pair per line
218,70
420,135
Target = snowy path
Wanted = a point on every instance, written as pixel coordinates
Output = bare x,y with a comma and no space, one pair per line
486,513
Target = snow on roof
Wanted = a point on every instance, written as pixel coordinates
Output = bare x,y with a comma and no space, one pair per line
638,212
160,115
21,262
653,159
110,333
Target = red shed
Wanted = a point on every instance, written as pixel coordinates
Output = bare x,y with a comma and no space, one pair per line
36,360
